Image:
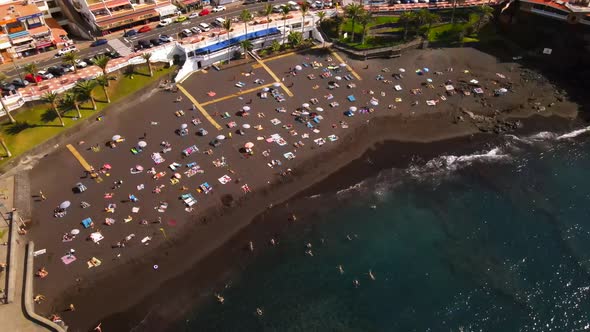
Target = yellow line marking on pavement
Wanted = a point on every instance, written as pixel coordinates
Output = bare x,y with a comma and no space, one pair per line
337,56
272,74
256,66
279,56
81,160
199,107
236,94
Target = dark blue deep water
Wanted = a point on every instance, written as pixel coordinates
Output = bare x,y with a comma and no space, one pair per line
498,240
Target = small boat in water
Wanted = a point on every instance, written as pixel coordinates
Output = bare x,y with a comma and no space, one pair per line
356,283
340,269
371,275
259,312
251,246
220,298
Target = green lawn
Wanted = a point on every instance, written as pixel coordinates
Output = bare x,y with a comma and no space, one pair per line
378,20
37,124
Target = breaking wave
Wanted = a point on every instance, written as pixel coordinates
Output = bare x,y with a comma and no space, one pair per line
574,133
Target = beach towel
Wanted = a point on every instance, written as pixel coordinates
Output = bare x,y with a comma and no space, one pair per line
93,262
87,222
351,98
157,158
224,179
68,259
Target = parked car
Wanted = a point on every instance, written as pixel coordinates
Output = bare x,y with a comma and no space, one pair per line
145,28
130,33
67,67
144,44
35,79
99,42
181,18
193,15
45,74
248,2
218,9
7,87
166,38
195,30
56,71
165,22
81,63
156,42
19,83
204,26
204,12
112,54
67,50
186,33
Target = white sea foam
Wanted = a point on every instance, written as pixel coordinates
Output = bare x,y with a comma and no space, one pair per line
574,133
355,187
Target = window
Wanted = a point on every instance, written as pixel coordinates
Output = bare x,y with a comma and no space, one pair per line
52,4
14,27
34,22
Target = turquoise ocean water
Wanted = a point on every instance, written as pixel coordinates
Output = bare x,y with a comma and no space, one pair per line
497,240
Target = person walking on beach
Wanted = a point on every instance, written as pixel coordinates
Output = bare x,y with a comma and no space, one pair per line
72,307
42,195
98,328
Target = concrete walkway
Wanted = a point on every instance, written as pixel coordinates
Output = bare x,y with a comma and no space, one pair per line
12,316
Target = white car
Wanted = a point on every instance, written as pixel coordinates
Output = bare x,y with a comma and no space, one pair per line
193,15
67,50
204,26
195,30
218,9
166,38
165,22
81,63
45,74
186,33
67,67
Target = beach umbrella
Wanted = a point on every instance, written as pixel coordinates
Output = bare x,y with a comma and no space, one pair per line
142,144
249,145
246,108
246,126
116,137
319,109
75,231
265,89
338,78
374,102
306,105
401,70
183,126
426,69
343,65
65,205
298,67
139,167
352,109
276,84
220,137
177,175
106,166
429,80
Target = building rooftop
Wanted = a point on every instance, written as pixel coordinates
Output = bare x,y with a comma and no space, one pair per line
12,11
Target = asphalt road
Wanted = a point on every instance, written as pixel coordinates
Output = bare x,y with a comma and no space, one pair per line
171,30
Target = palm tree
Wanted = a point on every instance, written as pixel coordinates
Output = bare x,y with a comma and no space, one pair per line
3,143
284,15
295,38
70,59
102,62
227,26
246,46
3,78
407,19
246,16
103,81
266,11
52,98
84,89
352,11
71,99
455,3
485,13
364,19
147,57
31,68
426,17
304,8
321,16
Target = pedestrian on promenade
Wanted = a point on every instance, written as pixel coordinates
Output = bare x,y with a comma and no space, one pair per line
72,307
42,195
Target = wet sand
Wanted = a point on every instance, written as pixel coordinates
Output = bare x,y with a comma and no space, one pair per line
123,291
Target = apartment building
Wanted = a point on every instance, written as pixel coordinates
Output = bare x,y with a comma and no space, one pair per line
25,31
572,11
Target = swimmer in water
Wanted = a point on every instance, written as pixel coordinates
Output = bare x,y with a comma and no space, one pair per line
371,275
356,283
340,269
220,298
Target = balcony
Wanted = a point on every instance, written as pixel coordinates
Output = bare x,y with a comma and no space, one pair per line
24,47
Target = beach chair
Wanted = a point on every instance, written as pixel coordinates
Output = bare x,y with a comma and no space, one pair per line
351,98
136,150
240,84
87,222
225,115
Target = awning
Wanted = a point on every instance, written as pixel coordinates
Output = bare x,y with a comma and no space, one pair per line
167,10
189,2
5,45
46,44
22,40
116,3
38,30
118,21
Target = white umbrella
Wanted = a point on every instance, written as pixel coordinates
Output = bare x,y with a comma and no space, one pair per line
402,70
352,109
343,65
142,144
298,67
319,109
338,78
276,84
220,137
65,205
116,137
139,167
374,102
246,108
75,231
183,126
265,89
249,145
306,105
246,126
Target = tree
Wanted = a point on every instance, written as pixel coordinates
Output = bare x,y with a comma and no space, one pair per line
364,19
295,38
227,27
321,16
407,19
426,17
84,89
275,46
352,11
245,16
31,68
3,78
246,46
304,8
70,59
71,100
102,62
8,154
52,98
103,81
455,3
485,13
284,16
147,57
